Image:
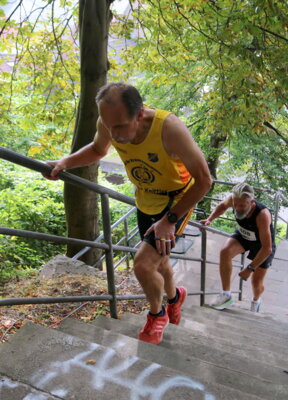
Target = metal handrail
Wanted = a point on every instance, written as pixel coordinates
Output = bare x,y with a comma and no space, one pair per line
66,240
101,237
108,247
75,180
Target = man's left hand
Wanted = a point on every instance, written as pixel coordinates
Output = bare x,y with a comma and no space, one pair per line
164,236
245,274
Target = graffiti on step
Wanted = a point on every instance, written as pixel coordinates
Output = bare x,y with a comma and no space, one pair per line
6,384
104,367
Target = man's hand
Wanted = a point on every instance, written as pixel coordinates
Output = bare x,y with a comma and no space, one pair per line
58,166
245,274
205,222
164,236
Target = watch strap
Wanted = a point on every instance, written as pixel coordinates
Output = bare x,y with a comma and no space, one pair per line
250,268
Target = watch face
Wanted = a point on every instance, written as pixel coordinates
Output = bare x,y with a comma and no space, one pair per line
172,217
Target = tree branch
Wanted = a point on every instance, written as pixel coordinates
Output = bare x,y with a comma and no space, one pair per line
271,33
266,123
10,16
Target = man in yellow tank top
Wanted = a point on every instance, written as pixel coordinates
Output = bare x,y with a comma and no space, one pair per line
171,176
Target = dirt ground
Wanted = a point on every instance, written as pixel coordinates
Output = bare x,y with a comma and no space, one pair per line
50,315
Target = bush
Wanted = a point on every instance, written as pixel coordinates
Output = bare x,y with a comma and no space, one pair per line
29,202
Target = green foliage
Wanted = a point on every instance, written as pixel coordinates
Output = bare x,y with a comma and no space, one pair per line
262,159
281,231
28,202
233,53
224,225
40,93
222,67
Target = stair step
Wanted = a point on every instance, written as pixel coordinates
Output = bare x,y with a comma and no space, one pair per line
200,370
176,337
251,330
13,390
238,314
70,368
241,344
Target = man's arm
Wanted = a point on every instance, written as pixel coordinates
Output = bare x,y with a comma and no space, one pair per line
263,222
178,143
218,210
87,155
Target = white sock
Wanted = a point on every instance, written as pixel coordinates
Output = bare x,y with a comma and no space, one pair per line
228,292
257,301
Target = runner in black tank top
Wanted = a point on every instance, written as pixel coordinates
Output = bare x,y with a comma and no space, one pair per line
247,235
255,234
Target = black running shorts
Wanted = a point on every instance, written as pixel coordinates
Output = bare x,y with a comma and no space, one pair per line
253,247
146,220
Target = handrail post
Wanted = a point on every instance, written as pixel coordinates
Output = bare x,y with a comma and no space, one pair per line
241,280
203,266
109,253
127,242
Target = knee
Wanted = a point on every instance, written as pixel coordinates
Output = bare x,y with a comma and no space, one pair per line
225,254
141,269
258,284
166,270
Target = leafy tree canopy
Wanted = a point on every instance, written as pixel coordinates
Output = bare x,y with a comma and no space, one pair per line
39,77
222,66
232,54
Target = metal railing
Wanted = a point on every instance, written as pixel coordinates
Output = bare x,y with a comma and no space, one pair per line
274,201
107,246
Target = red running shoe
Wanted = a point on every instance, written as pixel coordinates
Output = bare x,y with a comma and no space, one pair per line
174,310
153,330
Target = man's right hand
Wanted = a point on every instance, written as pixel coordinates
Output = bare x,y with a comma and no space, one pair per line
58,166
205,222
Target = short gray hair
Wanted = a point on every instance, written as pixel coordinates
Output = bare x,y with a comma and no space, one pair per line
243,189
127,93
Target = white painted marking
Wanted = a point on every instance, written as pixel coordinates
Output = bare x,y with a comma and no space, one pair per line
102,373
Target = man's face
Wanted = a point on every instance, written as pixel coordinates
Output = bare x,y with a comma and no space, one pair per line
242,206
115,118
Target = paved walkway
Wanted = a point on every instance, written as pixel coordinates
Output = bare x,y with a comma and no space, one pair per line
275,297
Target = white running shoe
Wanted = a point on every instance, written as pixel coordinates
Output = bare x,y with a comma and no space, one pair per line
255,305
222,301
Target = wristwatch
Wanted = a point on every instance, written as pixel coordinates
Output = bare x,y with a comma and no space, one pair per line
172,217
250,268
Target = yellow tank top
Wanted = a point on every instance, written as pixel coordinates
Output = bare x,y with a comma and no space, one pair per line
152,170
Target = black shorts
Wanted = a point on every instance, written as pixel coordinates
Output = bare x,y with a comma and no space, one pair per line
253,248
146,220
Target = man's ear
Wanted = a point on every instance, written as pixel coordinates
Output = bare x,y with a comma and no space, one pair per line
140,114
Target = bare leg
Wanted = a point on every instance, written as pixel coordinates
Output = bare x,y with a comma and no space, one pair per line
230,249
258,282
166,271
154,274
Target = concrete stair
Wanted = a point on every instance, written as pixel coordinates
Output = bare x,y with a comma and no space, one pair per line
211,355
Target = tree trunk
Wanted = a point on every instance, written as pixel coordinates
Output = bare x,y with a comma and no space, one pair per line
81,205
217,143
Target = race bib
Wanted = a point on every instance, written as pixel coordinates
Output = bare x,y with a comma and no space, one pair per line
246,234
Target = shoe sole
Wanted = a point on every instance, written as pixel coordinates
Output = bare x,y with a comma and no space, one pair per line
256,311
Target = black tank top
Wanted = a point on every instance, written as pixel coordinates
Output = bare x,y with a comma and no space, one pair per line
247,227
